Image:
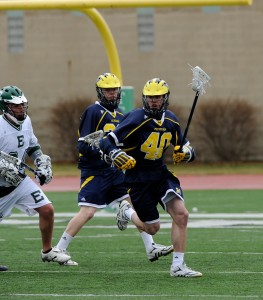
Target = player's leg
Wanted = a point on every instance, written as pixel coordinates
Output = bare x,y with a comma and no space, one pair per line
126,213
174,203
46,225
32,200
89,200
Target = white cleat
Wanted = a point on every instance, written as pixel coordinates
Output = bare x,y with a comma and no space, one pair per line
70,263
184,271
158,251
121,219
55,255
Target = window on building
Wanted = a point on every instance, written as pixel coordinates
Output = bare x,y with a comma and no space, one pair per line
145,25
15,29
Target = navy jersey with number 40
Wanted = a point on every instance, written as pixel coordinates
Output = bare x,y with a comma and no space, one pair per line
146,139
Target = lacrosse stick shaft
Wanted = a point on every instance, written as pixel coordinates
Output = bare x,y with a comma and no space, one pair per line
189,120
27,167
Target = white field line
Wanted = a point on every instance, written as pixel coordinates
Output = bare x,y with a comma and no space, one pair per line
107,214
136,296
196,220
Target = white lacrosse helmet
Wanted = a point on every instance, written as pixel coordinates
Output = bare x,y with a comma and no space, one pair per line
11,95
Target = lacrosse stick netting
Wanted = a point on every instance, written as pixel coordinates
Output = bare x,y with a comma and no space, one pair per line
200,80
15,161
93,138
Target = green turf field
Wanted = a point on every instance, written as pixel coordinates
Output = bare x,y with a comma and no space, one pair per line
224,243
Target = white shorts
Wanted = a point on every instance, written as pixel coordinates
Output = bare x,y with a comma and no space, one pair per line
26,197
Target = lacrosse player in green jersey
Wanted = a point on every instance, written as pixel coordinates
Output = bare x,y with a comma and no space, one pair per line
17,190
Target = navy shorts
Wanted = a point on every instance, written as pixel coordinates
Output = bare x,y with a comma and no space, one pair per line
104,189
145,197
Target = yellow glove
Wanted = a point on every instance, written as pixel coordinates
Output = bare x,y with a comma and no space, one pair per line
122,160
178,156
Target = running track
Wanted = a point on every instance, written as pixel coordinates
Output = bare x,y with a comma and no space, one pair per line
188,182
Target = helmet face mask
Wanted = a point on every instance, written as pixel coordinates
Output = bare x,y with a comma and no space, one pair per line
154,89
110,82
13,104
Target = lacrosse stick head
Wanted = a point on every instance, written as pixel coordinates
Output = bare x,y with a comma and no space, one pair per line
200,80
93,138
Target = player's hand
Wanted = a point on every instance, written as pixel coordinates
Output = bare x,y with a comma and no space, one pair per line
43,172
186,154
122,160
43,175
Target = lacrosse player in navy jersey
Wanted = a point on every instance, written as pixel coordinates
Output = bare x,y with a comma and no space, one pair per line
100,184
17,190
137,145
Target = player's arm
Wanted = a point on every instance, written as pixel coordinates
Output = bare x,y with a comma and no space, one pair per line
87,126
43,171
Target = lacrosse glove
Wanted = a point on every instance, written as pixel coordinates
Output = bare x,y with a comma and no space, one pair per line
122,160
43,172
186,154
9,172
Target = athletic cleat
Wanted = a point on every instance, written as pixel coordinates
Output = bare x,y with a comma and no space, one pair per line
3,268
55,255
121,219
69,263
184,271
158,251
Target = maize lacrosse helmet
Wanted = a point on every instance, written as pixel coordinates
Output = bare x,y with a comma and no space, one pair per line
108,81
155,87
13,95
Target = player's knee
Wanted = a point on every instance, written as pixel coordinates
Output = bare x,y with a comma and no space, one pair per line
181,218
46,210
152,229
87,212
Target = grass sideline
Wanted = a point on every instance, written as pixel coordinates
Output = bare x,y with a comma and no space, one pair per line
194,168
113,264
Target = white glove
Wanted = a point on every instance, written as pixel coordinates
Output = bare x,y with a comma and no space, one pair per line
43,172
9,172
189,153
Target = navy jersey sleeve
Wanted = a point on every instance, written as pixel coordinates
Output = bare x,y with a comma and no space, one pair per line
95,118
88,125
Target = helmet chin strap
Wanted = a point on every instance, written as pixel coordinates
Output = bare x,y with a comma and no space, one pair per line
14,119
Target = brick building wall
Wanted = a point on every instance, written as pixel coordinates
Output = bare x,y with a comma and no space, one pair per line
63,55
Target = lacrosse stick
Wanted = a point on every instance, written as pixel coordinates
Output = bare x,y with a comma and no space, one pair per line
15,161
199,81
93,138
